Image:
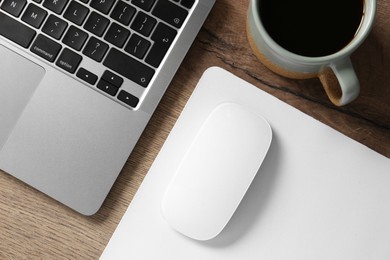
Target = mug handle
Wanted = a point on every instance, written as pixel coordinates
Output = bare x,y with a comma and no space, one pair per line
340,82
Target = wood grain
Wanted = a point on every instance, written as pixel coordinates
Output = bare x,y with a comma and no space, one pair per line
34,226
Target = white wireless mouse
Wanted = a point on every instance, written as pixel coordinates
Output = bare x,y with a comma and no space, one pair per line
216,171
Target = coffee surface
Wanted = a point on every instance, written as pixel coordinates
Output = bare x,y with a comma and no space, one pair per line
312,28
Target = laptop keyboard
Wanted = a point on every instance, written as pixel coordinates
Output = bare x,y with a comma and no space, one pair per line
104,43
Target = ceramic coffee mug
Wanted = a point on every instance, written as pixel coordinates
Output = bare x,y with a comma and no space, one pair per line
285,54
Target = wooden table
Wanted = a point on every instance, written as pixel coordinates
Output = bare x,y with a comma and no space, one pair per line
33,225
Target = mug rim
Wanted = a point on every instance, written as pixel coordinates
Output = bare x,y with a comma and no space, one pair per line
362,33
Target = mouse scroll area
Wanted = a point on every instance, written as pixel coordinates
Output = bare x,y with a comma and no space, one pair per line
216,171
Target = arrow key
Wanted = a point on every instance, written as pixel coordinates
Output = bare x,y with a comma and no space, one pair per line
128,99
54,27
87,76
107,87
112,78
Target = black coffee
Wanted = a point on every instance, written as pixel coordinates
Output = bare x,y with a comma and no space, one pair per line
312,28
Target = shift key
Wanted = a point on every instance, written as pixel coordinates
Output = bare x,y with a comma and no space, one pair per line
129,67
46,48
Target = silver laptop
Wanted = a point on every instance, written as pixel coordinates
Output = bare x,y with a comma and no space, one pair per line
79,81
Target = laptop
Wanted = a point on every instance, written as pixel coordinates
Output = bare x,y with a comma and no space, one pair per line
79,81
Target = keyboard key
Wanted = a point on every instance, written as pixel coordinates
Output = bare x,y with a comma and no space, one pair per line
170,13
15,31
187,3
95,49
76,13
87,76
75,38
137,46
128,99
102,6
144,4
45,48
163,37
96,24
69,60
54,27
34,15
112,78
143,24
129,67
117,35
123,13
14,7
107,87
56,6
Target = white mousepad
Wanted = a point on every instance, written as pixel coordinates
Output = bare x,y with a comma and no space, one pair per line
318,195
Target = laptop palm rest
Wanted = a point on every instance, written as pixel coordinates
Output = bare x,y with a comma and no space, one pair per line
70,142
16,88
